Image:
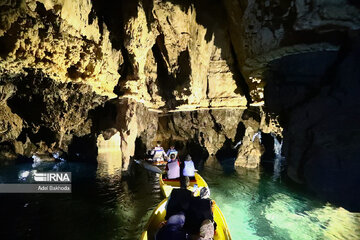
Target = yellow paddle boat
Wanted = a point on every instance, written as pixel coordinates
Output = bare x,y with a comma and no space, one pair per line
158,216
167,185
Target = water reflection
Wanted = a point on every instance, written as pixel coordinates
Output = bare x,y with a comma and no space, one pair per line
256,207
106,205
109,156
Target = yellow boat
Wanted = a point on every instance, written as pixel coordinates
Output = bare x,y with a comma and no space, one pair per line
158,215
166,185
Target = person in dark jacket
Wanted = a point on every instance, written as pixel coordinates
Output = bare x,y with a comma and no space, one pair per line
198,211
179,200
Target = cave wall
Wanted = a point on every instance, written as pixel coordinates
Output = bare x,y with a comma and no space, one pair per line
320,114
263,31
73,70
61,38
131,120
222,134
179,55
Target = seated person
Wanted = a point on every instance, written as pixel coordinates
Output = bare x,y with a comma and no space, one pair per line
171,150
173,168
189,168
158,153
179,200
199,210
173,229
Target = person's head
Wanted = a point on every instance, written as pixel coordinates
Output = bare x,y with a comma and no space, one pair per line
205,193
172,156
188,158
158,143
173,228
207,230
172,147
177,219
185,182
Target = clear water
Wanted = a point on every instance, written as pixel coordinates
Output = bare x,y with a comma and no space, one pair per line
104,207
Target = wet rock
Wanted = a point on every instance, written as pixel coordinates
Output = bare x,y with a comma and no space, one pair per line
250,152
131,119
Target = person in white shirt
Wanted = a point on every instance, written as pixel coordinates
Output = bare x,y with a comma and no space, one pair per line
171,150
158,153
173,167
189,168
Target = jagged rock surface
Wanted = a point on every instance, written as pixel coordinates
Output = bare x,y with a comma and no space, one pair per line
65,56
321,112
263,31
194,64
62,39
131,119
220,133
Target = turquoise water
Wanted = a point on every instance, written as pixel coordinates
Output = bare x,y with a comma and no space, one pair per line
258,207
105,206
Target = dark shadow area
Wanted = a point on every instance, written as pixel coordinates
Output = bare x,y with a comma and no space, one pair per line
43,134
267,159
104,117
317,98
140,149
251,112
240,132
242,86
226,151
166,81
294,79
83,149
198,153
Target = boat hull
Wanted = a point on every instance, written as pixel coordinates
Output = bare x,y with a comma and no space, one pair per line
167,186
158,216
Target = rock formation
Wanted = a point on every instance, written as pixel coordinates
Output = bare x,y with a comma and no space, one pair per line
203,74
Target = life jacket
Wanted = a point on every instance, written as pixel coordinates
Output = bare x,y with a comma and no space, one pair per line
174,170
189,169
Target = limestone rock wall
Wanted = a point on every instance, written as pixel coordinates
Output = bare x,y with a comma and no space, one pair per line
62,39
129,118
220,133
320,112
10,123
263,31
202,65
192,51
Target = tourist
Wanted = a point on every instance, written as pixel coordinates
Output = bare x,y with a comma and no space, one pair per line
158,153
173,167
189,168
172,150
